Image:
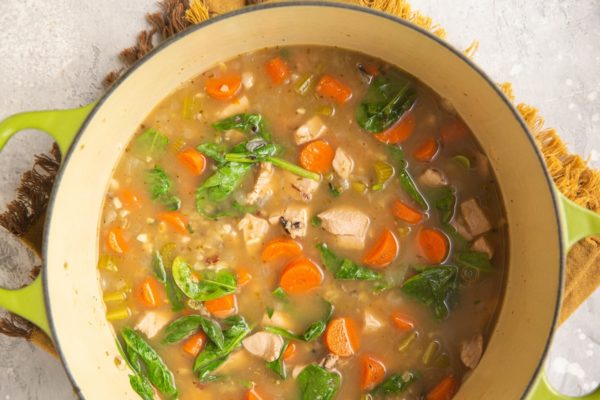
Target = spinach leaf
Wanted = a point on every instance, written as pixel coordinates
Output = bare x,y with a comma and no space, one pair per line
277,365
280,293
250,124
212,356
473,259
141,385
159,186
384,104
213,150
219,186
444,200
211,286
150,142
317,383
158,266
283,333
432,287
406,181
183,327
174,294
158,373
345,268
395,384
314,330
458,242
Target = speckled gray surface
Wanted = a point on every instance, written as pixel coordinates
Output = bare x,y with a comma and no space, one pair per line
54,54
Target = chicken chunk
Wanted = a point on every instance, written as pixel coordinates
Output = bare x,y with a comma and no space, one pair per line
262,191
474,217
237,106
265,345
372,323
483,245
461,227
433,177
342,163
304,187
152,322
471,351
348,224
328,362
294,220
310,130
253,228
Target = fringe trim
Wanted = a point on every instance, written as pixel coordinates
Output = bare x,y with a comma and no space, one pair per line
197,12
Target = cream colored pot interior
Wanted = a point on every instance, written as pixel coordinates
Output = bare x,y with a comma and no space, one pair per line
87,341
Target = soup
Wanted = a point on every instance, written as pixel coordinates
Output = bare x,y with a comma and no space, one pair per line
302,223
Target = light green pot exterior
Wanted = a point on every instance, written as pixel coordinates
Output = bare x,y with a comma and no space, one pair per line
63,126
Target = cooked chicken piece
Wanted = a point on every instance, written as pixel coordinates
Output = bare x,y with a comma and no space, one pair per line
471,351
265,345
483,245
247,79
294,220
310,130
459,224
342,163
152,322
433,177
349,224
372,323
474,217
329,361
304,187
236,106
253,228
262,191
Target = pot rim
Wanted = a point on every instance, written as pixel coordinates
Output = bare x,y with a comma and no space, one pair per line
311,3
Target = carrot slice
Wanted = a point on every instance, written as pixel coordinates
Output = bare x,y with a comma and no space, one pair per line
443,390
317,156
223,88
280,248
243,276
453,131
406,213
130,199
194,344
330,87
278,70
398,132
193,160
372,372
341,337
149,292
433,245
222,307
383,252
402,322
289,352
300,276
115,240
175,219
252,394
427,150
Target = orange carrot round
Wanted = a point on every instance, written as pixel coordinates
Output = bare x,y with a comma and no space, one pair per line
443,390
192,160
175,219
252,394
289,352
383,252
398,132
194,344
300,276
329,86
372,372
433,245
278,70
341,337
149,293
426,150
402,322
317,156
222,307
406,213
223,88
115,240
281,248
130,199
243,276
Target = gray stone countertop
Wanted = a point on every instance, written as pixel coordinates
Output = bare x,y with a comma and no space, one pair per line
54,54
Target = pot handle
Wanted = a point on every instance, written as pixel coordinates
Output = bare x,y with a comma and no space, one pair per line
578,222
62,125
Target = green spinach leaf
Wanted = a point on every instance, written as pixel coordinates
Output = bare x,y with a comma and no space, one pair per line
473,259
141,385
432,287
345,268
218,187
314,330
406,181
444,200
158,373
250,124
174,294
159,186
212,285
183,327
278,366
317,383
395,384
158,266
150,142
215,151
